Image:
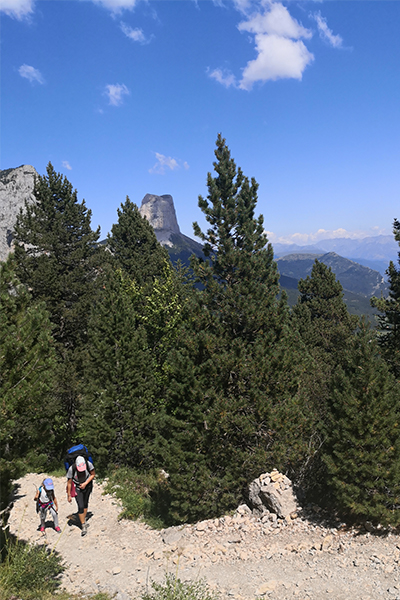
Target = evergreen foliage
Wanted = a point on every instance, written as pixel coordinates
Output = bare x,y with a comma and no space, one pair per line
58,259
241,375
27,361
134,245
117,417
326,328
362,453
389,320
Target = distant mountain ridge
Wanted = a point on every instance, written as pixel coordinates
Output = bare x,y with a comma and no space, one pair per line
374,252
354,277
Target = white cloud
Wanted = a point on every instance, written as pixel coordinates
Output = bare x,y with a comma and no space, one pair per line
278,58
31,74
325,33
18,9
115,93
224,77
117,6
165,163
242,5
66,165
303,239
280,51
136,35
277,20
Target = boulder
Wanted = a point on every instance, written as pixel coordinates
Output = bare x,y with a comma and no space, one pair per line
273,492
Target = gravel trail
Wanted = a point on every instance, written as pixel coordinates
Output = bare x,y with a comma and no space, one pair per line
239,556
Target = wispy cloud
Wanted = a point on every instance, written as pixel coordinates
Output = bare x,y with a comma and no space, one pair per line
18,9
66,165
325,33
166,163
117,6
280,51
30,73
136,34
115,93
223,76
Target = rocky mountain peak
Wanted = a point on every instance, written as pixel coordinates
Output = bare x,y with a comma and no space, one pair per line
160,212
16,186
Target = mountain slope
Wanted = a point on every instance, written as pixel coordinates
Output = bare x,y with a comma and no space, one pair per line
354,277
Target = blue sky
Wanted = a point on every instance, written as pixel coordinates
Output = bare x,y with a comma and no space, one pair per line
126,97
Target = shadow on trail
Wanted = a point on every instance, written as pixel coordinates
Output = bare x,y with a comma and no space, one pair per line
73,519
322,517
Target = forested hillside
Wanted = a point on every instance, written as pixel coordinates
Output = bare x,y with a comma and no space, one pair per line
208,373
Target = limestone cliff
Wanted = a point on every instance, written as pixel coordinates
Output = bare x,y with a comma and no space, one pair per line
16,186
160,212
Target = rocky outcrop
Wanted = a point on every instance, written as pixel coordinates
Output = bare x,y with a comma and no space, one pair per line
16,186
272,493
160,212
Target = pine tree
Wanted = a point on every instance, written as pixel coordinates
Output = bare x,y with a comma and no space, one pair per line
389,320
118,420
326,329
362,452
134,245
58,259
27,361
325,326
241,352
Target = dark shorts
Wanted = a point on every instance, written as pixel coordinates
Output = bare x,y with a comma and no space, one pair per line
82,497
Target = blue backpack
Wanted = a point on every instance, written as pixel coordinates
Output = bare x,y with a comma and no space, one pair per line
74,452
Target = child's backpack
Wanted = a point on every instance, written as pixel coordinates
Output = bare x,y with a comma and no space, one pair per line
74,452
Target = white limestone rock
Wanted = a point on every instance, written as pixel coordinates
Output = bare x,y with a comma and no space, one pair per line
16,186
160,212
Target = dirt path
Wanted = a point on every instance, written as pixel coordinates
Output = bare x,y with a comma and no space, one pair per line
240,556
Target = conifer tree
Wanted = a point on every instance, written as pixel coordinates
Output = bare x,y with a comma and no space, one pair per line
118,420
362,452
134,245
241,352
325,326
58,259
389,320
326,329
27,361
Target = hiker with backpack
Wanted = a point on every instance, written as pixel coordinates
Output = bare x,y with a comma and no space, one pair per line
46,500
80,477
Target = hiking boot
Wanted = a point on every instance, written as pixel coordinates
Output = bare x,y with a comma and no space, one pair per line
84,529
58,529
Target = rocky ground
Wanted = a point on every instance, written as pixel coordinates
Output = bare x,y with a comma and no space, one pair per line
240,556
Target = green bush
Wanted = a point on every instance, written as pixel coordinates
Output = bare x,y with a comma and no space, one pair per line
30,572
175,589
143,495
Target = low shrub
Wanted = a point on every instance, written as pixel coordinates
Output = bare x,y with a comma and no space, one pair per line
143,495
175,589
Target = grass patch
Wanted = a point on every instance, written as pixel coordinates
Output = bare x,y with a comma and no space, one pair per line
29,572
142,495
175,589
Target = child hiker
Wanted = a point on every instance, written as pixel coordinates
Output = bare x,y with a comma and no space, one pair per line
46,500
